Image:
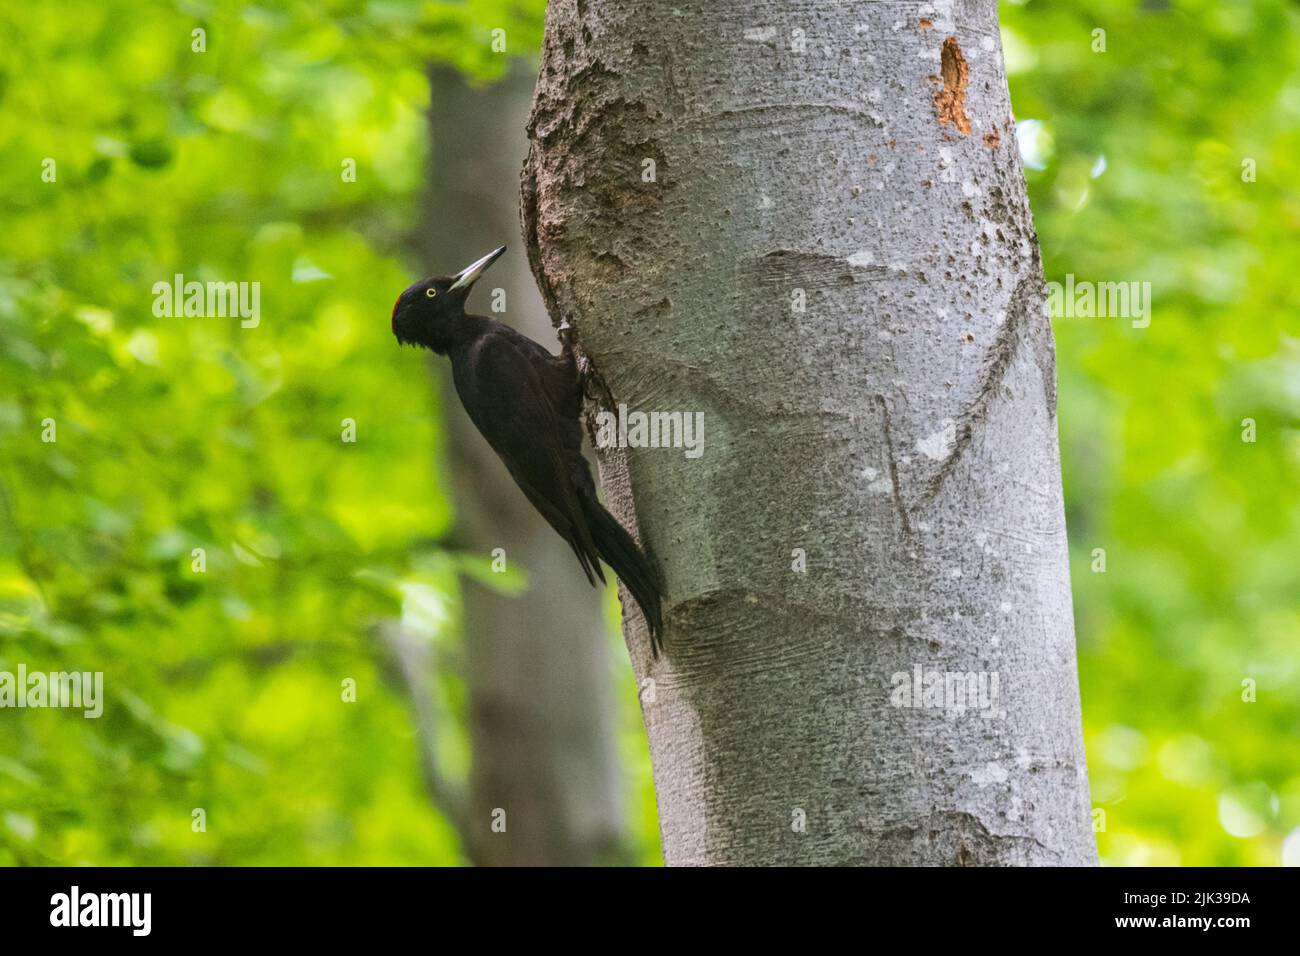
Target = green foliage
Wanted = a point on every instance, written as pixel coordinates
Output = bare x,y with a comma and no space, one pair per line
224,677
1201,530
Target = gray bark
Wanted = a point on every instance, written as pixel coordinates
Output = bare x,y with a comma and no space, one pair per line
538,666
900,431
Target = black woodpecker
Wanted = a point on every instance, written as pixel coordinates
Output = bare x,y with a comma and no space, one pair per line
527,403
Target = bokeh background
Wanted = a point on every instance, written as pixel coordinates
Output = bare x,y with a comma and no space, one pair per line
224,688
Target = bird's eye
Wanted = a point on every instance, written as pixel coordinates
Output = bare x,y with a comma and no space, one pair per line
430,292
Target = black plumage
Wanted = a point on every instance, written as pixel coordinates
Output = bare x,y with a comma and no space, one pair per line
527,403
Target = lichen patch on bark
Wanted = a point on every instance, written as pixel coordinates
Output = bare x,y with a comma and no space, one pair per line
951,100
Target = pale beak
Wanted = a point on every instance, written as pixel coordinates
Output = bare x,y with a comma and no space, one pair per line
469,275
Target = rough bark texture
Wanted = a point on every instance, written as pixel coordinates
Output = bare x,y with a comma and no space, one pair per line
538,667
901,429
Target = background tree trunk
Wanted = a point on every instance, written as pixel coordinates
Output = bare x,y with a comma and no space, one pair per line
835,263
538,666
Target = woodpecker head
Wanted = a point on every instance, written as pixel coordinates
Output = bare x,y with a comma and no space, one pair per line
426,313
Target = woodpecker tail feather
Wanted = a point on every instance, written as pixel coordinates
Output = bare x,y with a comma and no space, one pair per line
622,554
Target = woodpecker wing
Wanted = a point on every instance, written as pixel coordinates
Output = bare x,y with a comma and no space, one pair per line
507,400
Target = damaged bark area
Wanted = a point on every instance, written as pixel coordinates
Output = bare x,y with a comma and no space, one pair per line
593,168
950,102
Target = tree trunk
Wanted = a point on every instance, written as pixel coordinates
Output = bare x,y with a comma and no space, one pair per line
809,223
538,667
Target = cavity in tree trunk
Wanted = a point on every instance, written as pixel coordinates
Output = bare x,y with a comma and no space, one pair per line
537,665
809,223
